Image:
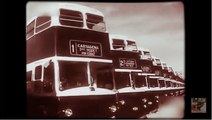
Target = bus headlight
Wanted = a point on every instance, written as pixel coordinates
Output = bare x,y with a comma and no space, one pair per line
68,112
135,108
122,102
157,97
150,103
113,108
144,100
144,106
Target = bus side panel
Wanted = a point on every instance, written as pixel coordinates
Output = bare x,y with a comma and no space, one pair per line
64,35
41,45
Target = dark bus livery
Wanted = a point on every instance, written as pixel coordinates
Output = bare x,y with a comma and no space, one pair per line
127,74
69,70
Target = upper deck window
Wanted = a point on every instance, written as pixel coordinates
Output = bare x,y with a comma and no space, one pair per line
170,69
147,55
42,22
131,46
157,62
165,66
71,18
118,44
95,22
30,29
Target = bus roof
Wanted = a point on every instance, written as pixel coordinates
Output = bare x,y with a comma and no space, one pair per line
155,57
52,9
116,36
144,49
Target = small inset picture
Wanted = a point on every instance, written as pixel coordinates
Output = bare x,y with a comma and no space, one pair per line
198,105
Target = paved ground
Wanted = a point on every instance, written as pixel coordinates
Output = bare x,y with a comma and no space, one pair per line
172,107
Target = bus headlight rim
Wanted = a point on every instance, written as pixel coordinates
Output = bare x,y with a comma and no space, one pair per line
68,112
113,108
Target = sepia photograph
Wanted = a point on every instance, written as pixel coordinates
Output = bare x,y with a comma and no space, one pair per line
105,60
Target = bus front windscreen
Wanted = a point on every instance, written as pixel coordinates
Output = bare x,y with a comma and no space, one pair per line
168,84
153,82
72,74
101,75
122,80
162,83
140,81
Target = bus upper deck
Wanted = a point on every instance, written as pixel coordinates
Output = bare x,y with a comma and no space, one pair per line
70,31
65,15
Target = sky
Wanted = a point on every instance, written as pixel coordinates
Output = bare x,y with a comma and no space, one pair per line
157,26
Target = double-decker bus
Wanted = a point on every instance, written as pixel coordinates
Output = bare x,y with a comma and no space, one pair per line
146,64
127,72
154,80
171,82
180,83
69,70
166,83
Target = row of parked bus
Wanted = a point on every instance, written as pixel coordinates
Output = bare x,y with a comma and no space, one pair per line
76,69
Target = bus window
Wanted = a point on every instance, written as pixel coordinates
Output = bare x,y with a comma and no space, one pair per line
72,74
48,81
29,82
38,77
174,85
102,74
30,29
42,22
95,22
131,46
168,84
122,80
139,81
38,72
29,76
118,44
71,18
162,83
147,55
153,83
156,62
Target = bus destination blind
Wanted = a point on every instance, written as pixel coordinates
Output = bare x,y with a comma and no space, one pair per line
84,48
